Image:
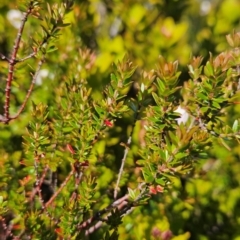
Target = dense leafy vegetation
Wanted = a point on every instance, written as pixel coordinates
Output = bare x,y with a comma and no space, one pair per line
117,122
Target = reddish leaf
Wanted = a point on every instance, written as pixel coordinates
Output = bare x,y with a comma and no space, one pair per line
152,190
70,149
159,188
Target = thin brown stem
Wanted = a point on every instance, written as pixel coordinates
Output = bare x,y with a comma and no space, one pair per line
29,90
126,153
4,58
122,166
38,184
27,57
6,228
121,204
99,214
12,62
61,188
99,223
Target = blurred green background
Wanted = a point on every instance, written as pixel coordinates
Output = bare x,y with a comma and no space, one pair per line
205,205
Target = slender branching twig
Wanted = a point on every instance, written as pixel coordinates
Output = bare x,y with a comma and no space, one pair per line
122,165
123,204
100,213
12,62
29,90
126,153
39,182
61,188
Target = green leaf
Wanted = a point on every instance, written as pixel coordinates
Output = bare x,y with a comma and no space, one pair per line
160,181
99,110
63,24
156,99
181,155
202,96
113,77
146,102
131,194
204,109
51,49
223,143
216,105
134,106
174,138
67,129
147,176
235,126
45,30
208,69
160,86
107,236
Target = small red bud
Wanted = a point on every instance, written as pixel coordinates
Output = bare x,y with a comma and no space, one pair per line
84,164
108,123
25,180
16,226
152,190
22,162
70,149
159,188
34,49
59,232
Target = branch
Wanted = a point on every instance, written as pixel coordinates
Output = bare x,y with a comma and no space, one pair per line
39,182
12,62
29,90
6,118
122,165
4,58
122,204
60,189
229,135
125,206
27,57
6,228
125,153
99,214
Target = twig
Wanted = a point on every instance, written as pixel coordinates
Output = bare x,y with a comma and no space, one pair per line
39,183
122,204
4,58
60,189
6,228
125,153
12,62
27,57
78,177
6,118
122,165
29,90
230,135
99,224
99,214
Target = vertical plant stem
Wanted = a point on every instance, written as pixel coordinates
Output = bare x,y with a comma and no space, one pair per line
12,62
125,153
122,166
60,189
30,89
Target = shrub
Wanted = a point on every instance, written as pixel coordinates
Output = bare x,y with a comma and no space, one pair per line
94,155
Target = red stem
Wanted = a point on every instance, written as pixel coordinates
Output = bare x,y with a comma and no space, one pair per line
29,91
60,189
12,61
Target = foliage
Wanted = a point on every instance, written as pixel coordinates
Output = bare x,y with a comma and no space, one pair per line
105,147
